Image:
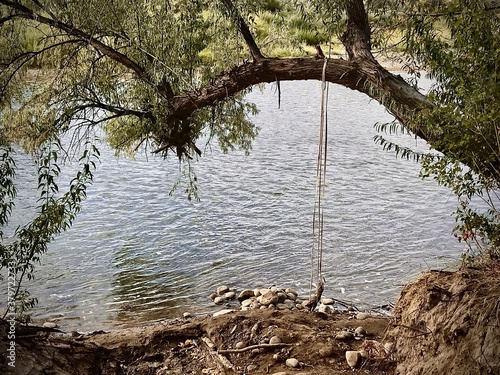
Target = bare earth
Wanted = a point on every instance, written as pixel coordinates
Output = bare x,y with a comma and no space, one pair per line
443,323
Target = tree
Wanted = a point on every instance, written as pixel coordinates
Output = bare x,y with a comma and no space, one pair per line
157,75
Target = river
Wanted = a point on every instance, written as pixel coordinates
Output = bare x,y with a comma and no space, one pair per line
137,253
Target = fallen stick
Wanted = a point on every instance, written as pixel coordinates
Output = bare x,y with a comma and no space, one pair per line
251,347
221,361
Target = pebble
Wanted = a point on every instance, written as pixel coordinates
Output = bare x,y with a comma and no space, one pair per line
327,301
49,325
274,340
353,358
264,291
247,302
222,289
218,300
223,312
229,295
290,290
187,315
212,296
325,309
267,298
256,292
292,362
281,296
291,296
362,316
240,345
360,331
344,335
246,294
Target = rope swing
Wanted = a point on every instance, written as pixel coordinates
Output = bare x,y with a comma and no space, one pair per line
317,224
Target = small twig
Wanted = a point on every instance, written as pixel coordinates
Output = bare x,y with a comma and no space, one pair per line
251,347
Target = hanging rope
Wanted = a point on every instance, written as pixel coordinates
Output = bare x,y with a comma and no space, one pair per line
320,196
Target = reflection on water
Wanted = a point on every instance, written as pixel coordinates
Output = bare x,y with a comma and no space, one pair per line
137,253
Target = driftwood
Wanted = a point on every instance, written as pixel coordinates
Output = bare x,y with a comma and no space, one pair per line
251,347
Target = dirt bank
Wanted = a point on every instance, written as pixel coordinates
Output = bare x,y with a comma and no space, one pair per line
199,346
444,323
449,323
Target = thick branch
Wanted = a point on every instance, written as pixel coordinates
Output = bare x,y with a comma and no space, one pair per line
356,38
368,78
245,31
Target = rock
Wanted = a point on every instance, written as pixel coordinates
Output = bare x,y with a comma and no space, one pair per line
246,294
292,362
274,289
281,296
247,302
240,345
327,301
299,306
289,290
264,291
344,335
362,316
187,315
291,296
268,298
353,358
254,305
360,331
326,351
262,307
256,292
49,325
218,300
229,295
325,309
274,340
222,289
222,312
212,296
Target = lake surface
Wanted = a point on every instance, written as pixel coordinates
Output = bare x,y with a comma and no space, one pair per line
136,253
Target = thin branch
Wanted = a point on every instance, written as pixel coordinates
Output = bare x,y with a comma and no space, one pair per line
251,347
110,52
244,30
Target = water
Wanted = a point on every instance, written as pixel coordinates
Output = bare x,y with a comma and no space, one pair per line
138,254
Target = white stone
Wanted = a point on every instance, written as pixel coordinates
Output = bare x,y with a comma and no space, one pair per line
247,302
268,298
256,292
360,331
327,301
187,315
264,291
240,345
353,358
223,312
222,289
229,295
274,340
344,335
218,300
49,325
246,294
362,316
292,362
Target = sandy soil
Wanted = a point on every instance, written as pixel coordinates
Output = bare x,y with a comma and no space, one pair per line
444,323
207,346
